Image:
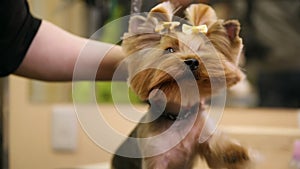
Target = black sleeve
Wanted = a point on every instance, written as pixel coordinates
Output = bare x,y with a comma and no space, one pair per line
17,30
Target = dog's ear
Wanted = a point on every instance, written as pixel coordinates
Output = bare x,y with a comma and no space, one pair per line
199,14
135,23
140,25
163,12
233,29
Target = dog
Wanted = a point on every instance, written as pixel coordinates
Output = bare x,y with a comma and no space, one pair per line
176,65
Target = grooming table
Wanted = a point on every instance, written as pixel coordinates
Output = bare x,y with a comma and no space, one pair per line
270,132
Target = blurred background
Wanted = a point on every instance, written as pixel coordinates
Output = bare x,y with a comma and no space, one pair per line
270,32
271,35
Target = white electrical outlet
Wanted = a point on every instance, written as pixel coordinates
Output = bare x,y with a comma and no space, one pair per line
64,128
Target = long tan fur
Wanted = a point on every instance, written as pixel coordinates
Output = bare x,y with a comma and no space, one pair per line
164,11
199,14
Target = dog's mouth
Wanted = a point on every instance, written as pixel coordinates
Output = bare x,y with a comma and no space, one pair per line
196,75
186,76
175,94
173,112
189,74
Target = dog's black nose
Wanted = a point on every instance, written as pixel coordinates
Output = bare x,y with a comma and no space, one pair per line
192,63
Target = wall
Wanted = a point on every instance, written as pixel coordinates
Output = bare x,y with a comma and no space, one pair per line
30,122
68,14
30,135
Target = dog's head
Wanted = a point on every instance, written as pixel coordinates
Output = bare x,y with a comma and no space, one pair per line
182,57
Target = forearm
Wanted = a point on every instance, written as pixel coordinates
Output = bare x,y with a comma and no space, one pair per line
53,54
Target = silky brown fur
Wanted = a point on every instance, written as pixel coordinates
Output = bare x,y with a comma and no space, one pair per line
154,71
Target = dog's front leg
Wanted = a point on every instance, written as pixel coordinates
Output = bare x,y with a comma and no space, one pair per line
169,160
154,163
180,156
222,152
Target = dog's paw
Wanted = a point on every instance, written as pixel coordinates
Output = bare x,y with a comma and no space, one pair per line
225,152
236,157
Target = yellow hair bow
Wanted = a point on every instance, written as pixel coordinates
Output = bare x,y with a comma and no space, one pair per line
166,26
187,29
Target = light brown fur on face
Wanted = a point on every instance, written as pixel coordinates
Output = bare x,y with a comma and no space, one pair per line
175,72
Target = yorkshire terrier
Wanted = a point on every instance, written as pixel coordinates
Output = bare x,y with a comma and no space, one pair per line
176,65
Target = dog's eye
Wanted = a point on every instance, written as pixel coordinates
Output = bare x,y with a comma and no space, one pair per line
169,50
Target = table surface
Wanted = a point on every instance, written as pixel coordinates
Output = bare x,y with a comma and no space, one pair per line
270,132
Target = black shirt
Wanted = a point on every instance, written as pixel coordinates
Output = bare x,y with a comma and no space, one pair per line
17,30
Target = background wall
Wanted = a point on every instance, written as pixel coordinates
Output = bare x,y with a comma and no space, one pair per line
30,122
30,135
